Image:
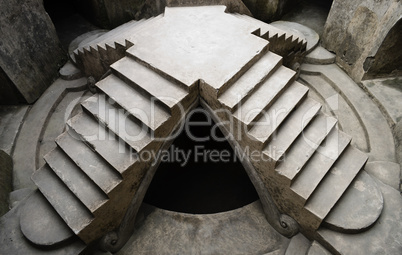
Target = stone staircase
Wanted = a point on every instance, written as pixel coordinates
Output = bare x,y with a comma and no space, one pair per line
306,163
91,177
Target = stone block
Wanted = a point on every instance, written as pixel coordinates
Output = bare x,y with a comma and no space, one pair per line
30,51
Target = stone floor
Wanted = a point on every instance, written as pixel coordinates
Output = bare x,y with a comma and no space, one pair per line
367,111
240,231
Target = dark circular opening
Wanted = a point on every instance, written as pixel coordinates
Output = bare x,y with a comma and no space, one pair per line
212,180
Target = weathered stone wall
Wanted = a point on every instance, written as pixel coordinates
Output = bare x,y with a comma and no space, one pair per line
388,59
355,30
6,168
269,10
30,51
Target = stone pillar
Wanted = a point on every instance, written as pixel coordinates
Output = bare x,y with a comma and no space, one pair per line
30,51
355,31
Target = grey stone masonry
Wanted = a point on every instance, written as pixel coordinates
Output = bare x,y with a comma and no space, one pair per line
30,51
307,165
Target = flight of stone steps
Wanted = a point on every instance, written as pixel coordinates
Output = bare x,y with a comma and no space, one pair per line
303,158
91,177
95,57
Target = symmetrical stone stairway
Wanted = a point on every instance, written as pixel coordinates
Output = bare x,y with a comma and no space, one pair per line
306,163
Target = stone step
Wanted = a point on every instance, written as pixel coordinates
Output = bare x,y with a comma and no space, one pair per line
304,147
149,82
338,179
300,31
76,180
250,81
362,197
240,71
36,213
263,97
119,35
291,128
118,121
70,209
138,105
318,166
108,37
97,137
115,34
262,130
95,167
264,27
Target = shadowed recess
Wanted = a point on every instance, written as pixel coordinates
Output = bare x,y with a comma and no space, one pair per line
212,180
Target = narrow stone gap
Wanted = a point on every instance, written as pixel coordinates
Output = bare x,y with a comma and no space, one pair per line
200,186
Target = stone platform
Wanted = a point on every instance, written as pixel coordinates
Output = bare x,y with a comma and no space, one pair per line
247,76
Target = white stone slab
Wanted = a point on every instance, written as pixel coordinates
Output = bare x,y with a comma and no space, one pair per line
198,43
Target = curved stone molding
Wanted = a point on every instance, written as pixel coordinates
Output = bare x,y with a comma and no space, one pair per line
387,172
26,148
338,105
379,138
320,56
